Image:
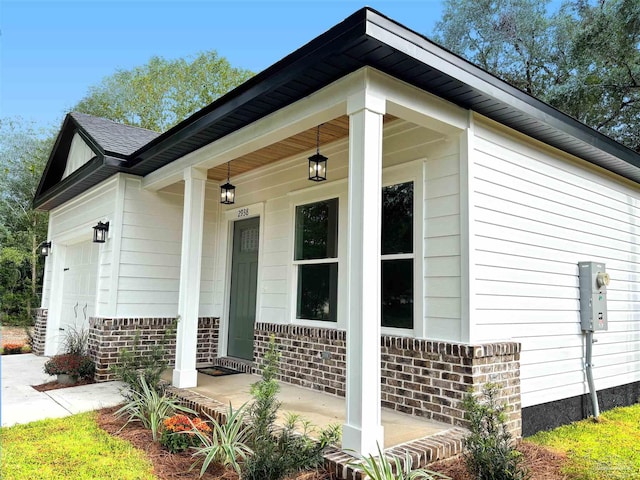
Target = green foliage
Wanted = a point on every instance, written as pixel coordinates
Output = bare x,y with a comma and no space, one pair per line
76,340
133,365
23,154
278,454
150,407
72,447
607,449
582,58
228,443
488,449
381,468
162,92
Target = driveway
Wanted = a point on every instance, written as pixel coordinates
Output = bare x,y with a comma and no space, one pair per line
21,403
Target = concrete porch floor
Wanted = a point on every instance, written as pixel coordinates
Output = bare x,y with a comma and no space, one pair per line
319,408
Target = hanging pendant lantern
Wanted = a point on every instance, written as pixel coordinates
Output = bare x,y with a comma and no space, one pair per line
228,191
317,163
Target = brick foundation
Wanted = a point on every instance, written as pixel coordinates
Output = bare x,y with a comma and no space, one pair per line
107,336
40,330
419,377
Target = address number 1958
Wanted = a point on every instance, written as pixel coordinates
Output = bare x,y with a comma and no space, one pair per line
243,212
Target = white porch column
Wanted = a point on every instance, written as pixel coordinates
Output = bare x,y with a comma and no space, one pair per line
184,373
363,428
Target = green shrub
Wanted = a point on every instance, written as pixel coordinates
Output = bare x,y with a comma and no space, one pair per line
227,444
277,455
150,407
381,468
76,341
133,366
488,450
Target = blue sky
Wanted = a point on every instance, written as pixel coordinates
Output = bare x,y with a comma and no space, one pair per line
51,52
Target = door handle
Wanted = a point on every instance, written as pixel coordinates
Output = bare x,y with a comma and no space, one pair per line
84,311
75,310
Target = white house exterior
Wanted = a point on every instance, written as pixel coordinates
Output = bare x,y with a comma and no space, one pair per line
456,201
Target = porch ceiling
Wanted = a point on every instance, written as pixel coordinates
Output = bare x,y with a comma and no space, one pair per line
336,129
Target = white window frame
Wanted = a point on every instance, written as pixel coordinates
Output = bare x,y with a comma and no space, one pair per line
314,194
404,173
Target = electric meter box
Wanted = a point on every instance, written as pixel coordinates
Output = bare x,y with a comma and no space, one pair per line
593,296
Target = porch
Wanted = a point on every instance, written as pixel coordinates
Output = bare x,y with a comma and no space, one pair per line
425,440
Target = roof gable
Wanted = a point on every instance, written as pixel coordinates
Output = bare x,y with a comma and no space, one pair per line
97,147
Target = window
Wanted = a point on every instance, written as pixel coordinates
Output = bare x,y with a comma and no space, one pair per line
397,255
316,252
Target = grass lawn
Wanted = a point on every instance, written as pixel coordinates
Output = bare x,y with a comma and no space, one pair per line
72,447
605,450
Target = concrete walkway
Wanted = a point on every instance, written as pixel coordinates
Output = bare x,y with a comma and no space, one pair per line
21,403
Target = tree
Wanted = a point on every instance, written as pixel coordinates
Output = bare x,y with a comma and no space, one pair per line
163,92
23,155
583,59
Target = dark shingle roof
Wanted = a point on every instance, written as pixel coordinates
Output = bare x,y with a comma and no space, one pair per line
114,138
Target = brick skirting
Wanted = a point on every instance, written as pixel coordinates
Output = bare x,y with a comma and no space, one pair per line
40,330
108,336
419,377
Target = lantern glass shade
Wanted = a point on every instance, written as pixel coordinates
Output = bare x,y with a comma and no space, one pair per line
317,167
45,248
227,194
100,232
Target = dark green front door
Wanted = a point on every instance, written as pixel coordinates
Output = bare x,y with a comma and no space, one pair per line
244,284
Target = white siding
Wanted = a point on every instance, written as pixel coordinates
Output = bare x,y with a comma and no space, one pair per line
149,279
537,215
79,154
73,222
283,185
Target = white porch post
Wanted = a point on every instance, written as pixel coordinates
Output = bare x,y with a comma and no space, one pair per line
184,373
363,428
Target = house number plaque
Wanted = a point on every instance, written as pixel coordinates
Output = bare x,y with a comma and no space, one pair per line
243,212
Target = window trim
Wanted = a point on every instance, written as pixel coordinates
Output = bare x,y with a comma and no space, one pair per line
410,172
305,197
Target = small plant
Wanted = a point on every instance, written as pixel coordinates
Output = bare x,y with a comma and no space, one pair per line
76,341
278,454
488,450
227,444
150,407
12,348
75,360
133,366
76,366
178,433
381,468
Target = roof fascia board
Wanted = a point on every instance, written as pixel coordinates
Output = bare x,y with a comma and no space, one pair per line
321,106
404,40
63,130
80,174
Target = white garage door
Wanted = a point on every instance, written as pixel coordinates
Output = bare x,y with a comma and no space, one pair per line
80,277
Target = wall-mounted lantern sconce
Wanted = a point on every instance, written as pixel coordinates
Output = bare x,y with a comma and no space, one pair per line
100,232
228,191
45,249
317,163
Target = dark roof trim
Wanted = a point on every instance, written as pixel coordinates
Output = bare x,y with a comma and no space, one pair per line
366,38
389,31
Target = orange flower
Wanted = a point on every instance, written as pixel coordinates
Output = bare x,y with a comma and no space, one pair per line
182,423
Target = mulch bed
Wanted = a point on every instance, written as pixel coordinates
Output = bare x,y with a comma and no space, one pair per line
543,464
45,387
171,466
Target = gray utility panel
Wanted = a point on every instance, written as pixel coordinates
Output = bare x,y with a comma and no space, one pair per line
593,296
